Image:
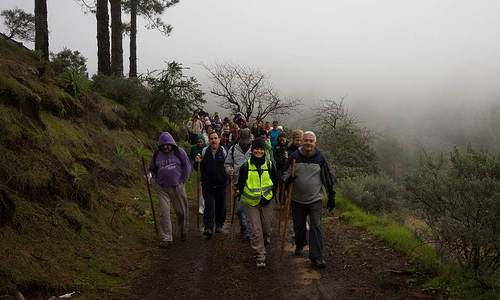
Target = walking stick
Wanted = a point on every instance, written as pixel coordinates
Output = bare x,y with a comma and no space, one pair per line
150,198
281,205
198,176
232,204
287,210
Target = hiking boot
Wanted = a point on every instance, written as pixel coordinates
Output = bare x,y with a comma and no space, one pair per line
299,250
208,232
261,264
218,229
244,231
320,264
164,244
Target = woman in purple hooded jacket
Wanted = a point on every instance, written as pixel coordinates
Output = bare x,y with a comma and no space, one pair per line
170,167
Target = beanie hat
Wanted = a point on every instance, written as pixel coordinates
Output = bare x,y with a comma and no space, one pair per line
258,143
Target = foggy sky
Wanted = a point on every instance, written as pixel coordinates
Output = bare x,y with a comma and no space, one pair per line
393,59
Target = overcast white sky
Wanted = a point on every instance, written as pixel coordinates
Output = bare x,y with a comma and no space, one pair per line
391,57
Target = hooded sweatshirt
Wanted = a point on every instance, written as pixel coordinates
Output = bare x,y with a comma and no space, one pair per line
195,149
167,169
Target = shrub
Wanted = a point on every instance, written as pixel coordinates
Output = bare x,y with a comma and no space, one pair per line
127,91
461,204
74,81
376,194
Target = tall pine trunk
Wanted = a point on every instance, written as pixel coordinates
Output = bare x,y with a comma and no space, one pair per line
116,38
41,28
133,39
103,56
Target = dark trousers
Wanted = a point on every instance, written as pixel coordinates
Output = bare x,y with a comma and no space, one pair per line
299,215
193,139
215,205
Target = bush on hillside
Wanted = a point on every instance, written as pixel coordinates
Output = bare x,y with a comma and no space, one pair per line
461,203
376,194
348,153
129,92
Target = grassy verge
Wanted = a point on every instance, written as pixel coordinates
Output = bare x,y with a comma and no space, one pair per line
445,280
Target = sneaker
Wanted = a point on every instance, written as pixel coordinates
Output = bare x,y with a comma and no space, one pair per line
267,240
218,229
299,250
261,264
320,264
164,244
208,232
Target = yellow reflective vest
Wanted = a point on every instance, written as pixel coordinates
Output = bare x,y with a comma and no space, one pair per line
257,186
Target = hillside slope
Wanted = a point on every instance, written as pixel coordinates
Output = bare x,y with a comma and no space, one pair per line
72,195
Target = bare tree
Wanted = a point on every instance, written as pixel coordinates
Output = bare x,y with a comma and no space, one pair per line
248,91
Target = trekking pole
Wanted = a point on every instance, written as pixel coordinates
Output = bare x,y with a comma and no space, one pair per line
281,205
232,205
198,176
150,198
287,210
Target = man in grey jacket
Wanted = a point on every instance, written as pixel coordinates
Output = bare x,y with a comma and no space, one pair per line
311,173
237,155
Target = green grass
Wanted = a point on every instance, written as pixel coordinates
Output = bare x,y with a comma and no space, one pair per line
447,280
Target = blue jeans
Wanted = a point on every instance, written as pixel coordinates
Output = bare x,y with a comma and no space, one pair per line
299,215
238,209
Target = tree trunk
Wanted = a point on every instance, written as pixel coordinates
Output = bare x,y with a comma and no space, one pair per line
116,38
41,28
133,39
103,56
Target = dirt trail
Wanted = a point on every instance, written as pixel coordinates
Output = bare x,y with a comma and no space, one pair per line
359,266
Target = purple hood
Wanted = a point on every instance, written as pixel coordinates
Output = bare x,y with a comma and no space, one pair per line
166,139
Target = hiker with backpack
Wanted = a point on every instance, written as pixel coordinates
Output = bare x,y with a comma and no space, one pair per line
238,154
171,168
256,186
311,174
214,179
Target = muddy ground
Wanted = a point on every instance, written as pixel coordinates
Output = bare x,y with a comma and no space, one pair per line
359,266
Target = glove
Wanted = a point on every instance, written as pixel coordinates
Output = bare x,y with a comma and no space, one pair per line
290,180
331,201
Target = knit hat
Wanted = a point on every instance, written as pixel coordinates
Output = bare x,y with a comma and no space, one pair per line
245,137
258,143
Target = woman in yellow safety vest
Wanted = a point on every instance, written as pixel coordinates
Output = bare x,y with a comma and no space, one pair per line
257,185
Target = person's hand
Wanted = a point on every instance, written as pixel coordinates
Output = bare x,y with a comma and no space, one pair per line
150,176
331,201
290,179
286,155
230,172
198,158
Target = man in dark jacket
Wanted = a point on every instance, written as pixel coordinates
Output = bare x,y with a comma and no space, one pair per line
170,167
213,178
311,173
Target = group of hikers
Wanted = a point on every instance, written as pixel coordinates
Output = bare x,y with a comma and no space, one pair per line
253,164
